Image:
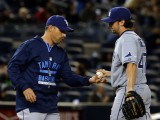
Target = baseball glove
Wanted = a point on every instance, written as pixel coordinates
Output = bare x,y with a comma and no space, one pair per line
134,108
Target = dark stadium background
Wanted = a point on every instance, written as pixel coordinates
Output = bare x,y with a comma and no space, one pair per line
89,48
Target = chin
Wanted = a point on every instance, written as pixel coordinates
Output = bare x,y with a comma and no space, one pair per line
114,32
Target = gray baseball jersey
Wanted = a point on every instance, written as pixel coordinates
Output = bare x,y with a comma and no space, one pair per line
128,48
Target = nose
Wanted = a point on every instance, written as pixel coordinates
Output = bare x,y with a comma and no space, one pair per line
64,34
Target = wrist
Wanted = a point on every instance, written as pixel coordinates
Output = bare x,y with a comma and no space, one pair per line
92,80
129,89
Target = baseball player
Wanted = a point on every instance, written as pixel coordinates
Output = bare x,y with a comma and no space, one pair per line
128,63
35,69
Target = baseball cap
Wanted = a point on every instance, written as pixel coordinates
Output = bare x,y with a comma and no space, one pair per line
60,22
117,13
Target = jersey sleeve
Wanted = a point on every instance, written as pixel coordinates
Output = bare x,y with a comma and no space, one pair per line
19,59
129,49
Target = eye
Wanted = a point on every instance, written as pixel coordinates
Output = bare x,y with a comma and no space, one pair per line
62,31
111,23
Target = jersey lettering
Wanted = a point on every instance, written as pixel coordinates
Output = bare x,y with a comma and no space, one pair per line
142,63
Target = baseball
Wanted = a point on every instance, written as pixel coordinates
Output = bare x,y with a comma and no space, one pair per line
99,74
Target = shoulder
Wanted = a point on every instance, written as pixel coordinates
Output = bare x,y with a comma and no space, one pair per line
129,36
31,41
35,39
27,44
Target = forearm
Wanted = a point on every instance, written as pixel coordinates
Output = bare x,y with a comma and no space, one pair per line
75,80
15,74
131,76
18,81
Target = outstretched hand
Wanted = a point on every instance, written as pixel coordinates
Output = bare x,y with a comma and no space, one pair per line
105,72
95,79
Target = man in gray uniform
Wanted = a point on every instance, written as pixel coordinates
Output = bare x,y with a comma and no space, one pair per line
128,63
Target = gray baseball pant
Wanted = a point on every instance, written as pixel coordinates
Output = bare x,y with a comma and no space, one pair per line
27,115
143,90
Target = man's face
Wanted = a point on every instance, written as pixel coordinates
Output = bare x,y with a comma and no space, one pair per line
114,26
117,27
58,35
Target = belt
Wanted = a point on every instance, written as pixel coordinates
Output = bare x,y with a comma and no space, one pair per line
118,87
126,85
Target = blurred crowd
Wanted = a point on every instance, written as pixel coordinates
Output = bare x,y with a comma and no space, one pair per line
21,19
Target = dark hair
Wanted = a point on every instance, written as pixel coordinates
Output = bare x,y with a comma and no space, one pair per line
128,23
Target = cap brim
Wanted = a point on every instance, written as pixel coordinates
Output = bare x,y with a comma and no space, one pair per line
108,20
66,29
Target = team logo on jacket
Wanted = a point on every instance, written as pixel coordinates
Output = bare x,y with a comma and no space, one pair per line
47,72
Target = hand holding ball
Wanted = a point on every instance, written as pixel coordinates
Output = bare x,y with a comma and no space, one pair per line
99,74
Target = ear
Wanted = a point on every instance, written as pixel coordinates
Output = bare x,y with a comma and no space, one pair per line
122,23
50,27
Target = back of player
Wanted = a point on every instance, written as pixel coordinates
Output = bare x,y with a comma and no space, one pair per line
129,48
128,63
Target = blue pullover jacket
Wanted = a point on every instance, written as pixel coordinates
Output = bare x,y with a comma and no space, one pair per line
38,66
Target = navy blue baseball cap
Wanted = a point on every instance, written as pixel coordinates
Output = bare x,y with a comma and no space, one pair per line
60,22
117,13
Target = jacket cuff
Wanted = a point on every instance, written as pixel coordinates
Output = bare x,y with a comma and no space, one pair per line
87,81
24,87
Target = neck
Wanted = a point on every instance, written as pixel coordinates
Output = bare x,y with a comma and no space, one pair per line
123,30
47,39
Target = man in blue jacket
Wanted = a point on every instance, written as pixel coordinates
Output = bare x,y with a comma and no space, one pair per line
35,69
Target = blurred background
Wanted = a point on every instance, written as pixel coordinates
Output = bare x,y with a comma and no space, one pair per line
89,48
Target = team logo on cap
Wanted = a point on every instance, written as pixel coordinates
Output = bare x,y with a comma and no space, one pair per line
66,22
109,13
